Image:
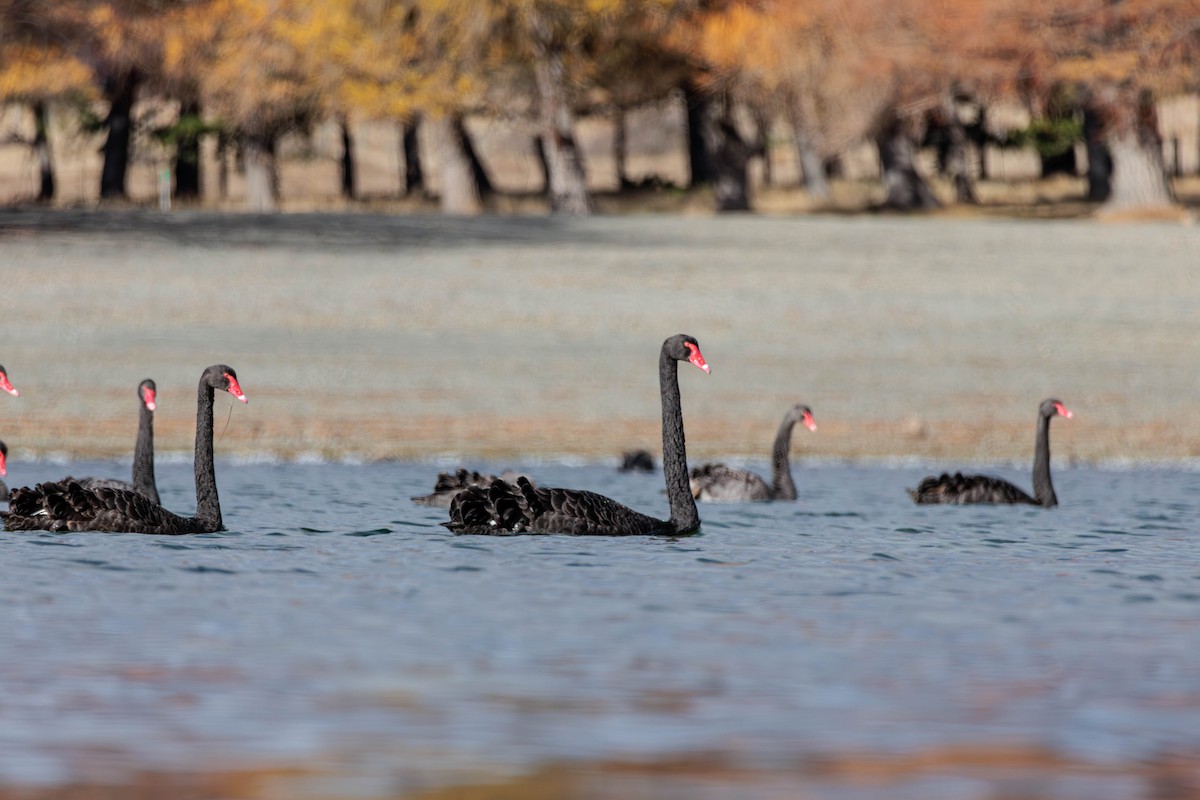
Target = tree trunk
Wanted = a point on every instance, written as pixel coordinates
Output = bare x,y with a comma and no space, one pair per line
568,185
261,182
698,104
539,151
41,149
954,161
620,147
906,189
812,166
730,156
119,90
483,181
1139,178
459,193
223,165
762,125
187,153
414,175
348,189
1099,166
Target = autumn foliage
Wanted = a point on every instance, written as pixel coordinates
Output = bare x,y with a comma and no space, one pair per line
835,73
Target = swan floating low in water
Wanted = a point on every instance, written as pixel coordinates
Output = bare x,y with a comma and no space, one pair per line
637,461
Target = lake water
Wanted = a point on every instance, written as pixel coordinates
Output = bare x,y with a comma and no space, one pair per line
336,626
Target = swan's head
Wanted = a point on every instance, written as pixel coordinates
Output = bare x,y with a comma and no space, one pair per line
802,413
147,391
220,376
682,347
1051,407
5,385
3,458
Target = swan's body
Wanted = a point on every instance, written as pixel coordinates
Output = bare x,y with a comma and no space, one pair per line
448,486
968,489
143,451
717,483
68,506
507,508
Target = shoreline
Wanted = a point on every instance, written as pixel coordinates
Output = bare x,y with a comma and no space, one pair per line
367,337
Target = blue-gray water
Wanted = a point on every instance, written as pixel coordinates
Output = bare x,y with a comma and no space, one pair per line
336,625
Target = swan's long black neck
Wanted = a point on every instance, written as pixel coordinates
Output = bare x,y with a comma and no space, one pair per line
208,505
143,455
783,486
684,516
1043,488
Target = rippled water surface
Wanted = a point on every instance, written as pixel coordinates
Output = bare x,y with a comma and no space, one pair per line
338,624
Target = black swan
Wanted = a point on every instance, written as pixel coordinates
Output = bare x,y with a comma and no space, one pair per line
143,451
6,385
717,483
964,489
507,508
67,506
448,485
637,461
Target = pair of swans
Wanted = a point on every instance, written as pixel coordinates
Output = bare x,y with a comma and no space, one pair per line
93,504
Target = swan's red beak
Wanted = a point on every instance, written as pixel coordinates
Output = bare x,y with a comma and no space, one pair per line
1063,411
696,358
809,422
3,464
234,389
8,387
148,399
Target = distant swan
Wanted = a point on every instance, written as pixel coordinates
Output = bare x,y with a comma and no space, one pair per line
521,508
717,483
964,489
143,451
637,461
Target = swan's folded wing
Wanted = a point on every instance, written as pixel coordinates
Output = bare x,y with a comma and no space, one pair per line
960,489
721,483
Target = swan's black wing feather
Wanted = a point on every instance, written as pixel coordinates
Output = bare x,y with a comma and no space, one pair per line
68,506
962,489
506,508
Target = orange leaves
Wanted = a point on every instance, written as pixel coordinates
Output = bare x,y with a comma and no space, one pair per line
1095,41
31,73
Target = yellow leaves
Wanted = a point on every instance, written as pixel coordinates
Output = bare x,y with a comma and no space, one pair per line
29,73
766,44
1111,67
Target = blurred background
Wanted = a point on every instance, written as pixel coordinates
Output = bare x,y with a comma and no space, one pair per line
533,105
